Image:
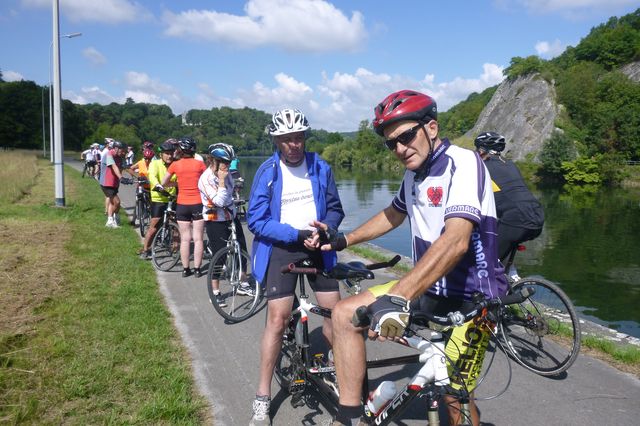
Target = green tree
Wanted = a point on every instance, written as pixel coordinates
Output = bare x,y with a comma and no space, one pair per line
556,150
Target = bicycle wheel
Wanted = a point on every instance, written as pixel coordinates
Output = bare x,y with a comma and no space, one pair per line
144,215
84,170
165,248
289,366
542,333
240,301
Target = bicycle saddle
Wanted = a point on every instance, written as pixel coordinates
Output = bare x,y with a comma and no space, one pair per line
351,270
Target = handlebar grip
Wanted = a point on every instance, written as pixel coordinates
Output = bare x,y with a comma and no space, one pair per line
361,317
287,268
519,296
293,269
387,264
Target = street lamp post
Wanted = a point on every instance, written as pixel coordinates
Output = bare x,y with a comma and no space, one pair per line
51,135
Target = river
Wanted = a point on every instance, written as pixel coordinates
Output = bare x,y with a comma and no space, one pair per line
589,246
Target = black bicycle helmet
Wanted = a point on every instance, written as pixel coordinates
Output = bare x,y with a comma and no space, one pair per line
187,145
222,151
490,141
404,105
167,146
118,144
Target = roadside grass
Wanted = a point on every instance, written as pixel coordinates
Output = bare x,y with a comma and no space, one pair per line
84,335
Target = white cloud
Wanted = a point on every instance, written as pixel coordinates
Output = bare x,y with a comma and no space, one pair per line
105,11
548,50
94,56
89,95
293,25
538,6
339,103
11,76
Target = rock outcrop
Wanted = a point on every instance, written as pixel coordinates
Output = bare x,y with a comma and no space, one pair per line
632,71
524,111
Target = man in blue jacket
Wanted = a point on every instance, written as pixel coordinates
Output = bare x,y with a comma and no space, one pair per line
290,190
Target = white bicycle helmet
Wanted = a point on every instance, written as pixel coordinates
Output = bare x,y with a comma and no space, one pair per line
288,121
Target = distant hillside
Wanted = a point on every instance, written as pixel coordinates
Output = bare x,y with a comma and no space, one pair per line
589,94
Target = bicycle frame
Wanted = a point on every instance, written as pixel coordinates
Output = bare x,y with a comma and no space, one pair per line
428,381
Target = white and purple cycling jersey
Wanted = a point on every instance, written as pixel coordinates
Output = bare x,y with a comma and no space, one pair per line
458,185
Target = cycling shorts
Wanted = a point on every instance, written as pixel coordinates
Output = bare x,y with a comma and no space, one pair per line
109,191
280,285
188,212
158,209
466,345
91,163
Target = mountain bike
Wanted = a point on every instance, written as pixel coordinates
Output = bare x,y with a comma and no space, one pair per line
298,372
543,332
239,291
142,208
239,201
165,247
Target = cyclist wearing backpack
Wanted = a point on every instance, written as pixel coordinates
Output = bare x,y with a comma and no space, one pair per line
520,214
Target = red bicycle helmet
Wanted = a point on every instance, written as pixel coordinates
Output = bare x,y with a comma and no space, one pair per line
404,105
147,153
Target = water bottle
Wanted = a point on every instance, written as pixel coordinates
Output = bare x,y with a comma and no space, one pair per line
381,397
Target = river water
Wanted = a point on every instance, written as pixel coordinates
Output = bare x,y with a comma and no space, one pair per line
590,245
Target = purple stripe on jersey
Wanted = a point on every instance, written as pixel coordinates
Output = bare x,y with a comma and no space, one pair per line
481,176
420,247
399,202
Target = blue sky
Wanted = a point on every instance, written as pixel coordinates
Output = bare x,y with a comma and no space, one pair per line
333,59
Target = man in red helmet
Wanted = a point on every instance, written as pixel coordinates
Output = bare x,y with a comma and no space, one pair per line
446,193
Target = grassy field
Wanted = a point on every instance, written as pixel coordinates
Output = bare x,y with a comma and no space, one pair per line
84,335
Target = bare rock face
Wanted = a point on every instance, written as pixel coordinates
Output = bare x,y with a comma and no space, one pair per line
632,71
524,111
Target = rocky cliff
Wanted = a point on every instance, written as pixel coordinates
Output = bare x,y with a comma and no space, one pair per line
524,111
632,71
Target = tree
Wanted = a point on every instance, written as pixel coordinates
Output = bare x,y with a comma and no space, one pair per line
556,150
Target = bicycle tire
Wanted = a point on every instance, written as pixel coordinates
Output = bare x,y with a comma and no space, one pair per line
543,333
289,365
143,215
227,264
84,170
165,247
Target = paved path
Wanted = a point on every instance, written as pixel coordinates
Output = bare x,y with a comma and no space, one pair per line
225,364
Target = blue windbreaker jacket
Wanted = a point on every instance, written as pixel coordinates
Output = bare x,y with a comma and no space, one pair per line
263,215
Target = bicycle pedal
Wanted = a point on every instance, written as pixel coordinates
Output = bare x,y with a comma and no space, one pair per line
297,401
297,386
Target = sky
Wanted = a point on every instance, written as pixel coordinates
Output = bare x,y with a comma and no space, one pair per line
332,59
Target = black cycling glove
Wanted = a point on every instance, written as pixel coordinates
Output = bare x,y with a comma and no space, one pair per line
390,315
303,234
336,239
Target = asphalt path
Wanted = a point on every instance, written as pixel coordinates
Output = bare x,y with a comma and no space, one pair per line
225,359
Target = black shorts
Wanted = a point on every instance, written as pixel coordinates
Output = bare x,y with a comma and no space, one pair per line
188,212
158,209
109,191
91,163
280,285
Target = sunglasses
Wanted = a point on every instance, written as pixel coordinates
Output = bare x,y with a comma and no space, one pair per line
403,138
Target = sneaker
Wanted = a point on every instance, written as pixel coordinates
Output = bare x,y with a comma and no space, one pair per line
199,272
145,255
116,218
186,273
221,300
245,289
261,411
111,223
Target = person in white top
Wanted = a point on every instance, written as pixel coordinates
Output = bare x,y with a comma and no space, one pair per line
290,190
218,210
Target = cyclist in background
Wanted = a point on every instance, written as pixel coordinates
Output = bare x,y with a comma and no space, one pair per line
520,214
141,168
110,176
129,156
446,193
216,191
290,190
189,205
160,195
89,157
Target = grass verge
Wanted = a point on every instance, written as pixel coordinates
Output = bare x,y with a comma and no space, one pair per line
84,335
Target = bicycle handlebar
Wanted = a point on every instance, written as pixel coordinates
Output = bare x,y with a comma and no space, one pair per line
342,271
362,316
